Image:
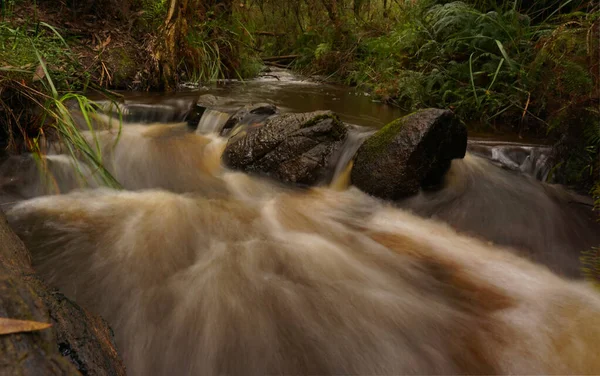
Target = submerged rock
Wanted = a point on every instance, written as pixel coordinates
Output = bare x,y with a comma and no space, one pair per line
249,114
293,148
212,101
409,153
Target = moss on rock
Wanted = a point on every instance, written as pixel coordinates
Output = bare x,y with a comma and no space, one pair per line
409,153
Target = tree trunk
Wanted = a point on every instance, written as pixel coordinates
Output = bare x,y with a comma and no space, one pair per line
169,46
172,48
332,11
297,14
356,8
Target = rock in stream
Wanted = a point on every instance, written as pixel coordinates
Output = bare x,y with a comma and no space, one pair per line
409,153
293,148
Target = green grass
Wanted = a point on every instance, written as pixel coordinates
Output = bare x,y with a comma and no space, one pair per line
21,45
38,78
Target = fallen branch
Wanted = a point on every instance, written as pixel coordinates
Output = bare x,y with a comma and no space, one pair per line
268,33
273,64
279,58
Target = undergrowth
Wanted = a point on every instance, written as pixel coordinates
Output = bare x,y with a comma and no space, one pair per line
38,77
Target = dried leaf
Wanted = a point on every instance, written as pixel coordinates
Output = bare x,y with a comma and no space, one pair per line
106,42
39,73
9,326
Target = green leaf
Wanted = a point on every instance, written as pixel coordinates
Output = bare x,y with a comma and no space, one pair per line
503,51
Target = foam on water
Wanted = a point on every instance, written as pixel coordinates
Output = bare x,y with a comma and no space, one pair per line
315,282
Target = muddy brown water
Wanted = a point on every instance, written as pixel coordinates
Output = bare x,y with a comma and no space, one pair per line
202,270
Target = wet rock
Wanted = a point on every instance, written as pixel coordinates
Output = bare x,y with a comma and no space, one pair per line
248,115
213,101
194,115
209,100
293,148
409,153
78,341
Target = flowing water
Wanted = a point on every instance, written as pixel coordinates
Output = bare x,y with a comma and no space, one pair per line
291,93
212,121
201,270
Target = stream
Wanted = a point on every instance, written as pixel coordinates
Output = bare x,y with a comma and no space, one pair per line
292,93
203,270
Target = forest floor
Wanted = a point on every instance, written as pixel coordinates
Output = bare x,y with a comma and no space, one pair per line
107,51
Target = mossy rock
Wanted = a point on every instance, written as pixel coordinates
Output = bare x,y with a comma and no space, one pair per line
124,66
409,153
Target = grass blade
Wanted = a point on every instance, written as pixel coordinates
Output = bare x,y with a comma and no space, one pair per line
472,79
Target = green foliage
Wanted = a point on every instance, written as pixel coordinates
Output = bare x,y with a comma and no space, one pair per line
217,46
153,13
207,42
39,67
322,50
62,120
454,56
7,8
519,66
20,46
590,259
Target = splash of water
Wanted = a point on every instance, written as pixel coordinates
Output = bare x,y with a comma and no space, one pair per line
531,160
341,175
315,282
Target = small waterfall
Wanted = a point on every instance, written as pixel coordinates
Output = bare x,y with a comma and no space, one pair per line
532,160
212,121
171,111
537,164
341,175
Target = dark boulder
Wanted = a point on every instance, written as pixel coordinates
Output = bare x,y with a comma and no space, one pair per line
293,148
409,153
248,115
78,342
